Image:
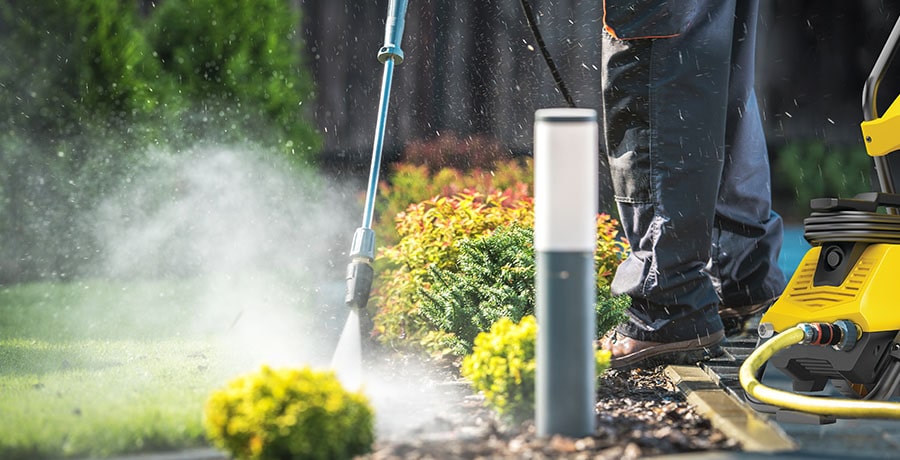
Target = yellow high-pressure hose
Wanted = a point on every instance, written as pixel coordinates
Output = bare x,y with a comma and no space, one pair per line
836,407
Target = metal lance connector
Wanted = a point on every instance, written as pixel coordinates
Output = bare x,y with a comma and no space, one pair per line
360,272
393,32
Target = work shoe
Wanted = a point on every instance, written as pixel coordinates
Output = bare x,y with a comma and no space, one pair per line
736,319
629,353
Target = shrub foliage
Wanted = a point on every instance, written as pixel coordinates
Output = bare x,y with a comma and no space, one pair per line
427,289
100,65
502,366
289,413
66,64
88,87
429,232
494,278
807,170
237,63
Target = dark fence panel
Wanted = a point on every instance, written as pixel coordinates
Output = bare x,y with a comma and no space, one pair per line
472,68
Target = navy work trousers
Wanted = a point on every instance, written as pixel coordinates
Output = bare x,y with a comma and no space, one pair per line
689,164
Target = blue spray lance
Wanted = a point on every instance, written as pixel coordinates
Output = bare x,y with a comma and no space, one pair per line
362,250
347,360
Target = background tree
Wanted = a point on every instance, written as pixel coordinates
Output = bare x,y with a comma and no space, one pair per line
238,64
89,87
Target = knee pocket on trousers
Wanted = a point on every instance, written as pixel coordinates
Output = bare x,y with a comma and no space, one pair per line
630,173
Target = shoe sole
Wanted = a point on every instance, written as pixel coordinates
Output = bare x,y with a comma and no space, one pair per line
684,352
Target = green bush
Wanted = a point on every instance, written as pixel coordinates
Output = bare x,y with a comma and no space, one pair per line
429,232
432,234
74,75
807,170
494,277
502,366
238,70
189,69
289,413
88,88
67,64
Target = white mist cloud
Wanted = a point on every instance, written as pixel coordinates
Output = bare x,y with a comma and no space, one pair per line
266,249
221,210
415,398
266,244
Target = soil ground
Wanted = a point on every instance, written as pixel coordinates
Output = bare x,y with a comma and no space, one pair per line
639,413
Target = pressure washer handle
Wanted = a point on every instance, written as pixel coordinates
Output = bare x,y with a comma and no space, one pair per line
393,32
870,107
870,89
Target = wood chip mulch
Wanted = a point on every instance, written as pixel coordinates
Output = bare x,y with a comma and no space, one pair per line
639,413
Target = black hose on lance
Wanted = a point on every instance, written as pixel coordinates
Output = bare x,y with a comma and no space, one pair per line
360,272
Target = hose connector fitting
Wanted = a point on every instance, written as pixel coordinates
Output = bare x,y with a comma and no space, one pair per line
850,335
840,335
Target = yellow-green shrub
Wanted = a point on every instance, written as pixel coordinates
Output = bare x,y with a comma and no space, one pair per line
289,413
432,233
429,232
502,366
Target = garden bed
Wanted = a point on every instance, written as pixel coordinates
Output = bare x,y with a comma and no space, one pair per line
639,413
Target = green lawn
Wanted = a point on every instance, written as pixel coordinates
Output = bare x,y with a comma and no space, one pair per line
103,368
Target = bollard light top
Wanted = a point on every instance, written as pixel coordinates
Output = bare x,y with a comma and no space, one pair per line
565,115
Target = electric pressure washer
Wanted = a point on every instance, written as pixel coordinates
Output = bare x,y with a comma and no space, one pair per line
838,320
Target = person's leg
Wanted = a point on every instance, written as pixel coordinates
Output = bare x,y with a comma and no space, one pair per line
747,234
664,106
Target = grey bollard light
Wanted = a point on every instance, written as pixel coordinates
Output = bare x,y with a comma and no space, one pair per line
565,229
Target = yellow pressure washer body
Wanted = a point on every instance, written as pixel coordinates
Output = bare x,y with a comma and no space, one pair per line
841,308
